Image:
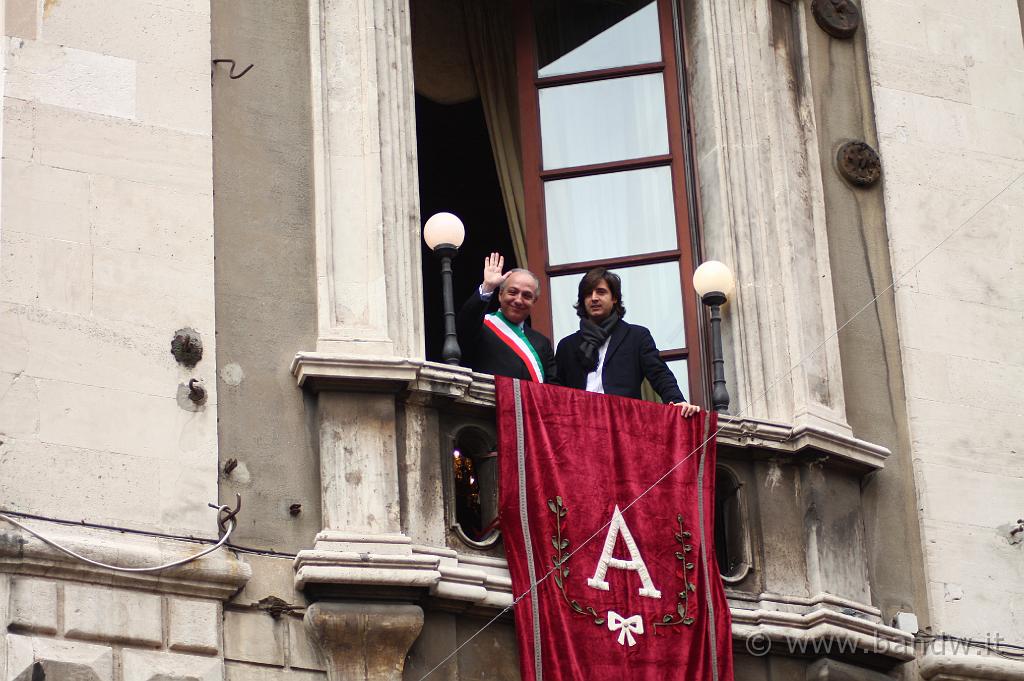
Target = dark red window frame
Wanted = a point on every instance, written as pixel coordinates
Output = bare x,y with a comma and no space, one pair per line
678,159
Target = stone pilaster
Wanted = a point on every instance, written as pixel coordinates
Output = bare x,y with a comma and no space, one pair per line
763,209
365,183
363,641
5,617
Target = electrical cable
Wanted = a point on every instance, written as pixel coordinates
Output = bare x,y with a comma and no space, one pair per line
757,400
146,533
117,568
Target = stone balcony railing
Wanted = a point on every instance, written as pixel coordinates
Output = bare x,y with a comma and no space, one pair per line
802,576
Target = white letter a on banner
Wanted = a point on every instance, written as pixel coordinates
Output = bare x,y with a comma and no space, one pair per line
635,562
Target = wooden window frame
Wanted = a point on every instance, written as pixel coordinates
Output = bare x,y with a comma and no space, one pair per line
679,160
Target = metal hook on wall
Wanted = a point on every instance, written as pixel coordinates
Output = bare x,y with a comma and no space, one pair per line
231,74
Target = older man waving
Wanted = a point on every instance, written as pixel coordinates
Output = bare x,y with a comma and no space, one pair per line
501,343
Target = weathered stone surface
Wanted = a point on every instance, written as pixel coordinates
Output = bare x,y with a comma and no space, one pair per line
34,604
254,636
27,657
271,576
101,613
364,641
161,33
139,665
193,625
240,671
70,78
21,18
302,651
950,114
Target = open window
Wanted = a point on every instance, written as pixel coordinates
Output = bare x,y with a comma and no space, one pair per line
606,171
473,498
732,536
555,129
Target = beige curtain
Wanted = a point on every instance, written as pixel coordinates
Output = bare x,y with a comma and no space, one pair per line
489,33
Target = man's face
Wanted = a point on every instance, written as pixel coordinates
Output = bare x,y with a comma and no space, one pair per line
599,303
518,296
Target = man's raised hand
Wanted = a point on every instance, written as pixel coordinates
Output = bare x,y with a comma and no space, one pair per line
493,265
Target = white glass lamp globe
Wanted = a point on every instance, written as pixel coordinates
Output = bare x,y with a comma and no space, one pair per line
444,228
713,277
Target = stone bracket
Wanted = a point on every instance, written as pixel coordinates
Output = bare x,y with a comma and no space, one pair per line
393,562
363,641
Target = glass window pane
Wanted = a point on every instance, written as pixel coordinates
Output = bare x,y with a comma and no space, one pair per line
611,215
575,37
605,120
651,294
679,369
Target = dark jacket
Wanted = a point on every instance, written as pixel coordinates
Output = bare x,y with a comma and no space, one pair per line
632,356
483,351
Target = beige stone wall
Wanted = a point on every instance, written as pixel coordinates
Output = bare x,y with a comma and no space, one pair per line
106,249
73,630
948,87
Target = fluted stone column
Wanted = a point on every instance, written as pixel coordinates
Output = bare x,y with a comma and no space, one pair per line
370,326
365,182
763,208
363,641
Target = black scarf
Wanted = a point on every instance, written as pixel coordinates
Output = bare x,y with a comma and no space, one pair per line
594,336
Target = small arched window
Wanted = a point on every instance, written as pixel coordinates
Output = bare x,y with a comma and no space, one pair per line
732,537
473,504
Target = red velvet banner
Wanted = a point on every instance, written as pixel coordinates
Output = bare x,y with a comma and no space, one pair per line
622,554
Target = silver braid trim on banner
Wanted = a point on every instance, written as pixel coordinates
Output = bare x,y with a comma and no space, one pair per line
524,519
703,548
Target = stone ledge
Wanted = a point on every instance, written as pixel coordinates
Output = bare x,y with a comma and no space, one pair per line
970,667
750,433
454,581
822,625
430,380
218,575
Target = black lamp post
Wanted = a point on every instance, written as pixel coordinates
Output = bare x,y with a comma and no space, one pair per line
444,234
714,281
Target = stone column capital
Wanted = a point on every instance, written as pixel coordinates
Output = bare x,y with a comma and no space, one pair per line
363,641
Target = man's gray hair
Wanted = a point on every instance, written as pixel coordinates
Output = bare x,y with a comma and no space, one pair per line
536,281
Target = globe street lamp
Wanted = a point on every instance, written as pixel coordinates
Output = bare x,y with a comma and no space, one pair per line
714,282
444,233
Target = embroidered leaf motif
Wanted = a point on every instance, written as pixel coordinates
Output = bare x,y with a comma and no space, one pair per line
561,562
681,615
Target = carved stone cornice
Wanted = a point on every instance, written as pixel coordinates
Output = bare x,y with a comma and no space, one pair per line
219,575
363,563
966,667
824,624
446,579
430,380
747,433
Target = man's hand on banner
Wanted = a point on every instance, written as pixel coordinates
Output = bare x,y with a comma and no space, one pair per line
686,409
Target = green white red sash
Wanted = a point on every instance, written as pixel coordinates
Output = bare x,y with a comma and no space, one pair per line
515,338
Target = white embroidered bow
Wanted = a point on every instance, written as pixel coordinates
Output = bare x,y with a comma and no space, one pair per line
626,626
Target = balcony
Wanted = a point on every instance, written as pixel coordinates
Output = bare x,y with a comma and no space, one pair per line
789,529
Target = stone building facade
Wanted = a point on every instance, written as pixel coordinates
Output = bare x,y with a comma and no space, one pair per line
872,459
